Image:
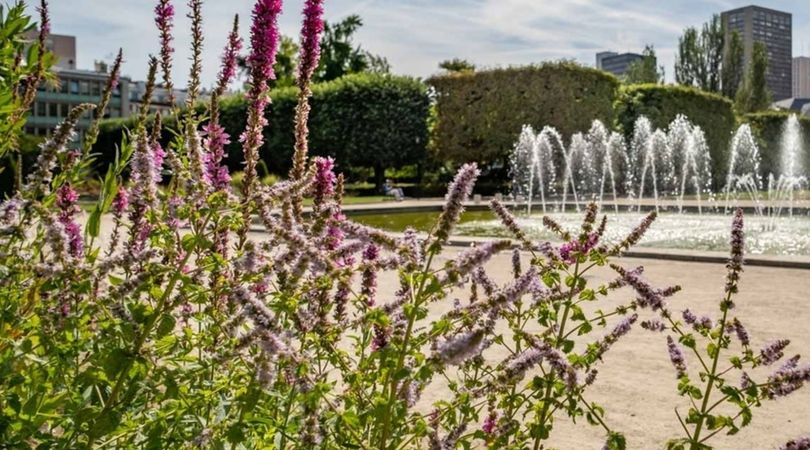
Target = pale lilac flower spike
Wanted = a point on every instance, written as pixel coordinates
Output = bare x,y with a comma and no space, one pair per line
802,443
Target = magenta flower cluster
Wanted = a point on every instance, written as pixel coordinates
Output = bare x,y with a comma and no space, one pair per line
311,30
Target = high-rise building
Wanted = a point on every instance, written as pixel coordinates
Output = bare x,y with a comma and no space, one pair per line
616,63
772,28
801,77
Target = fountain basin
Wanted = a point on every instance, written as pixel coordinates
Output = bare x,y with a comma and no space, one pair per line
705,232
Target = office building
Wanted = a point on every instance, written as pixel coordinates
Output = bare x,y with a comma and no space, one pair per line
801,77
53,102
616,63
772,28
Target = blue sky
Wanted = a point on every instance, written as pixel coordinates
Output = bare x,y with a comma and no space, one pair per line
416,34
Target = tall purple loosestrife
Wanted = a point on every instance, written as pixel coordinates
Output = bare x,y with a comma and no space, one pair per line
91,134
308,57
264,39
164,19
196,53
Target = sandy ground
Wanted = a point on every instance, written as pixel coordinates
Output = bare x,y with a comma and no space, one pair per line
636,383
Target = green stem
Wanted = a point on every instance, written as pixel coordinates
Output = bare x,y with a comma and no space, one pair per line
560,334
711,377
401,361
111,400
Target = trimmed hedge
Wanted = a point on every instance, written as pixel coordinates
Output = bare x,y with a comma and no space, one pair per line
363,120
480,114
662,103
767,128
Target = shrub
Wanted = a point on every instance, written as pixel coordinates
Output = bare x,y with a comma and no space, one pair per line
366,120
480,114
768,129
661,104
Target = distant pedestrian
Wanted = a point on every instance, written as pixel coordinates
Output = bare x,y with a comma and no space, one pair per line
389,189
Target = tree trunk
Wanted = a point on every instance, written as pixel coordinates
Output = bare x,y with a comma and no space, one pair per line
379,177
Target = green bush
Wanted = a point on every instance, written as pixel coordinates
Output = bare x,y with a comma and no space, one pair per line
662,103
767,128
480,114
363,120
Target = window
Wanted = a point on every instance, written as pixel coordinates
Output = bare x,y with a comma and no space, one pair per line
74,87
95,88
84,88
53,110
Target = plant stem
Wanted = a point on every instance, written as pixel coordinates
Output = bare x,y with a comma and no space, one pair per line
711,377
401,361
110,403
560,334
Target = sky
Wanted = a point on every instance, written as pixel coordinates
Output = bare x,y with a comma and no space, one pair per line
415,35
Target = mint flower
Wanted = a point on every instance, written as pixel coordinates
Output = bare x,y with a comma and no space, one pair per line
676,356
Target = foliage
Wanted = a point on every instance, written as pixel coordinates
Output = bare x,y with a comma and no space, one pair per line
700,56
340,56
754,95
768,128
732,71
362,120
661,104
457,65
645,70
285,62
24,64
480,113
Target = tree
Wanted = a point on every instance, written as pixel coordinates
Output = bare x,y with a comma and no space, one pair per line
700,56
457,65
754,94
732,70
286,60
645,70
340,56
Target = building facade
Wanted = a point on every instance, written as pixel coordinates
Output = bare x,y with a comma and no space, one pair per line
53,102
801,77
616,63
772,28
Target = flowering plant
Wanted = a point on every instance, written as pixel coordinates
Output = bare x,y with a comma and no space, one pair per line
706,416
186,315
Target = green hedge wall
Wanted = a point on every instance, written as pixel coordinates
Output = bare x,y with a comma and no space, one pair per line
662,103
480,114
767,128
363,120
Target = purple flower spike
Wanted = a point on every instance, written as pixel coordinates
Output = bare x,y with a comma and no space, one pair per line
164,18
324,179
802,443
311,30
229,57
774,351
676,356
458,192
66,198
264,38
735,261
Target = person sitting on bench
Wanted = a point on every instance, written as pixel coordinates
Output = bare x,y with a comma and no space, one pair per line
389,189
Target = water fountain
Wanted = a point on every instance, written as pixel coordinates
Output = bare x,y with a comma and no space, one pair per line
669,170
